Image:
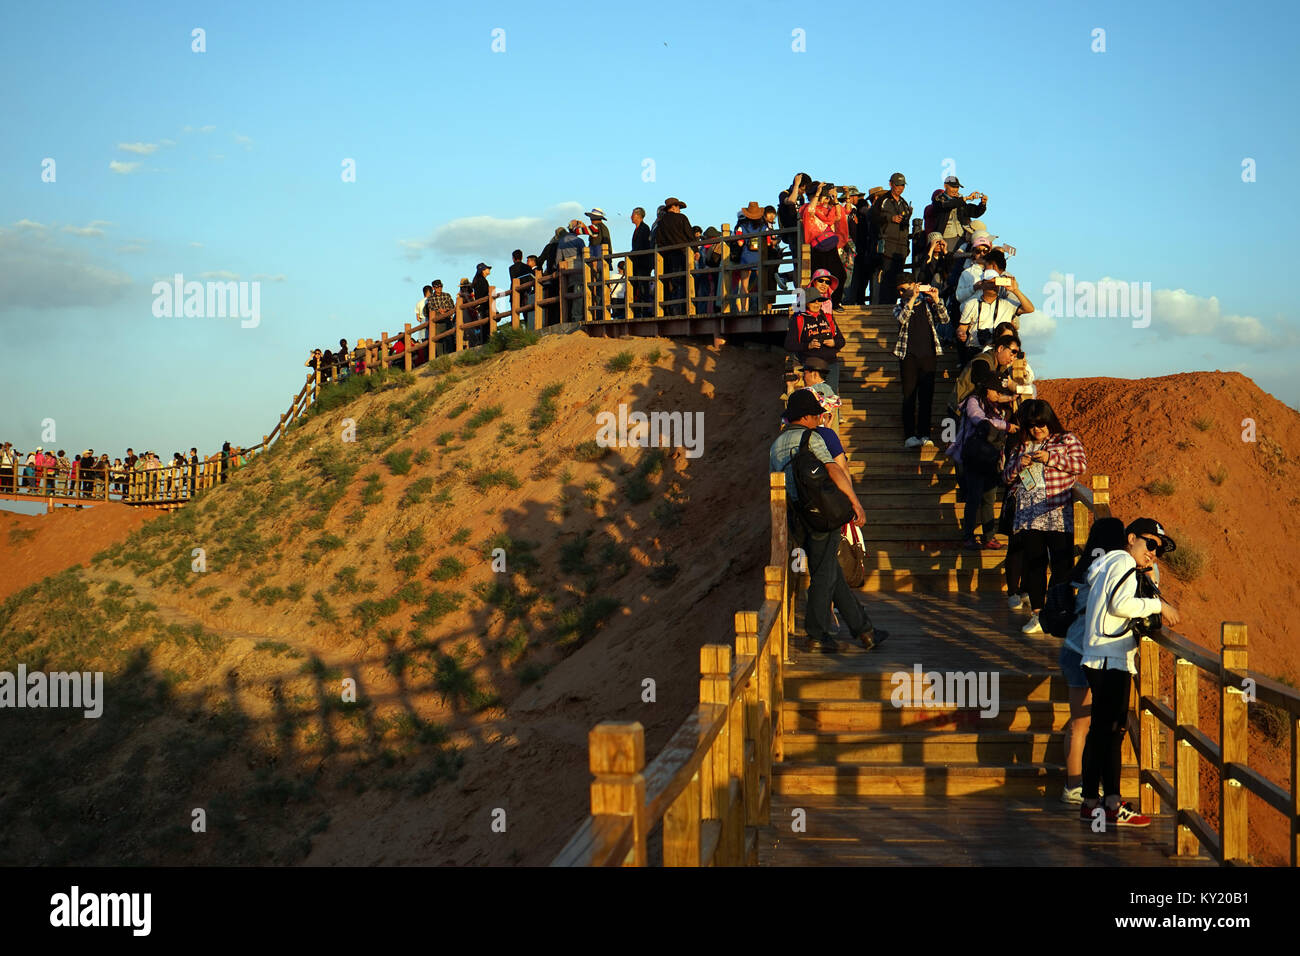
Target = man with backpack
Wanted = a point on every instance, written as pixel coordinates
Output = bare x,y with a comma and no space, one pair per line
820,501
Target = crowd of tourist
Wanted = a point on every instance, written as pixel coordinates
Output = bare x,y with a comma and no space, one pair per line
959,296
144,476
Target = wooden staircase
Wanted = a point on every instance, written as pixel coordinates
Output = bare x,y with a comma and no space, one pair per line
845,741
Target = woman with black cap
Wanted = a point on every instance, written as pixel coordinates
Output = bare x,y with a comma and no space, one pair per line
1115,614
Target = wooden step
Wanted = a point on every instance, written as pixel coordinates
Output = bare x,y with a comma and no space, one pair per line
988,581
874,499
1044,780
990,748
932,517
910,488
901,466
886,560
803,683
861,716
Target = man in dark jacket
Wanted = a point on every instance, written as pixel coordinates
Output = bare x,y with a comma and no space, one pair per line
674,229
865,238
892,220
949,214
642,265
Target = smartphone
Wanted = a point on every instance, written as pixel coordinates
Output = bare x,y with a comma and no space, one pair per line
925,288
1002,281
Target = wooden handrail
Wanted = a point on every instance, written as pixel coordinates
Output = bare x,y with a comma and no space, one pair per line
1238,687
711,785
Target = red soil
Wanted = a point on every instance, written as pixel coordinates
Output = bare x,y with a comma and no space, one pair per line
33,547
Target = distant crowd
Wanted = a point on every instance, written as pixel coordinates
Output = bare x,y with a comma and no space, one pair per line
46,473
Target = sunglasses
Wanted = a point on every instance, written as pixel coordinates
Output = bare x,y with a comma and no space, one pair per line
1151,545
821,281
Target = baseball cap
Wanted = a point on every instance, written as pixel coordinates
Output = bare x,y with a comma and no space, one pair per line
951,181
802,403
982,239
1150,526
899,178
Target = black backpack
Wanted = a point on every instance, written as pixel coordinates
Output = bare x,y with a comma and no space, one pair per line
820,504
1058,611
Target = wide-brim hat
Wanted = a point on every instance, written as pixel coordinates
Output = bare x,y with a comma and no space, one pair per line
673,201
752,211
814,363
712,233
596,213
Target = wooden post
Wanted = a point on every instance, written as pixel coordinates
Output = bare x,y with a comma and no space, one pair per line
725,299
682,827
628,285
586,291
1148,747
514,302
715,688
459,340
1295,789
383,350
1186,770
690,281
617,757
537,300
604,267
774,589
1233,734
755,696
406,347
658,285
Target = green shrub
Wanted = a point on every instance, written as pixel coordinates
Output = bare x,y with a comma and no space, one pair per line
370,612
483,416
589,451
512,339
458,410
445,438
416,491
1219,475
448,568
621,362
545,410
1203,423
399,462
1208,504
653,356
460,537
408,564
1187,562
1162,487
491,478
423,456
437,605
412,540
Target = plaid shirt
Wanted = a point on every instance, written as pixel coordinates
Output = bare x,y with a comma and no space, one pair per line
903,312
440,302
1066,460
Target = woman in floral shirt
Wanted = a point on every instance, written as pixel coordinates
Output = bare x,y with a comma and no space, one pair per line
1041,466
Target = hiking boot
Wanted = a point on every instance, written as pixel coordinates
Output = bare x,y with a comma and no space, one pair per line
1125,816
873,638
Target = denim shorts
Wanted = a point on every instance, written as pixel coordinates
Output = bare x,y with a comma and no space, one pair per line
1072,668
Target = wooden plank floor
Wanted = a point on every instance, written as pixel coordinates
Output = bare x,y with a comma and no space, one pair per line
964,631
958,831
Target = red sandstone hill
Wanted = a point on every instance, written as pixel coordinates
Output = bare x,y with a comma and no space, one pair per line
1181,448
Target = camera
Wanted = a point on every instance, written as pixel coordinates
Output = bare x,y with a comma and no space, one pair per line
1146,588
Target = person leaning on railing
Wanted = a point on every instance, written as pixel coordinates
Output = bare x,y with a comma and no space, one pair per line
1115,615
674,229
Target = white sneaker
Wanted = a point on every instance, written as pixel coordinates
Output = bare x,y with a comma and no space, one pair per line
1016,601
912,442
1032,627
1072,795
926,440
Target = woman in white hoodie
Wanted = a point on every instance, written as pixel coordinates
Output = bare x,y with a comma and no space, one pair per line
1109,660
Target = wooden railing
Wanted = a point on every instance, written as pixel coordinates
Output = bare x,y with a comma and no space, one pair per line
1237,687
711,785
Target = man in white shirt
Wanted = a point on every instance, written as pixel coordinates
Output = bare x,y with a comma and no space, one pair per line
1000,299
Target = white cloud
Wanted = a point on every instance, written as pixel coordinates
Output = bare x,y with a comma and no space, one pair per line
220,274
131,249
278,277
244,141
142,149
1178,312
489,236
38,273
187,129
91,231
28,224
167,142
206,129
196,245
1037,325
123,168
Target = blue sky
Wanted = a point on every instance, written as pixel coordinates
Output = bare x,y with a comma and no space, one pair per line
1123,164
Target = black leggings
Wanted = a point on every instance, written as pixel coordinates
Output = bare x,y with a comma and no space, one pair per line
1104,746
1041,549
918,395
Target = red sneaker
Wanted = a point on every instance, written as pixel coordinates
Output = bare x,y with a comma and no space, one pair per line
1125,816
993,544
